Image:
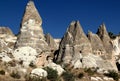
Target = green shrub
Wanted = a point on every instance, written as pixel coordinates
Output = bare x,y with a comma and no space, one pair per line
15,75
67,76
80,75
90,71
52,74
2,72
113,74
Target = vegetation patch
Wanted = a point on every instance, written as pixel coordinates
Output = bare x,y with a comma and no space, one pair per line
67,76
52,74
2,72
15,75
113,74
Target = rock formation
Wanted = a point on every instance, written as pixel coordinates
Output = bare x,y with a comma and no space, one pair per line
73,44
97,44
7,39
74,49
31,32
103,34
51,43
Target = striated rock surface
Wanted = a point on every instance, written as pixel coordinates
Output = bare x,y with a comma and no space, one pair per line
51,43
73,44
103,34
7,39
57,41
31,32
97,44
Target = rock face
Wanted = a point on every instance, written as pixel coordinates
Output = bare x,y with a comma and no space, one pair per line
97,44
4,57
73,44
31,32
51,43
103,34
7,39
57,41
116,49
25,54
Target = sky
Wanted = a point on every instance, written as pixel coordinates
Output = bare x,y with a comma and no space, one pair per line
58,14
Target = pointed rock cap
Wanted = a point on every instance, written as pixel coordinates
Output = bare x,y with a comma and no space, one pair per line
31,13
102,31
103,34
51,42
6,30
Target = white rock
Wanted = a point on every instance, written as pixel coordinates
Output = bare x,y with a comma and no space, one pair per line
108,79
5,58
56,67
77,64
89,61
38,72
100,79
94,79
25,54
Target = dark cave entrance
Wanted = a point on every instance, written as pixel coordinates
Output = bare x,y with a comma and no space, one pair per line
118,66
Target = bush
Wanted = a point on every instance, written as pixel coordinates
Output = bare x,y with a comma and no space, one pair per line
67,76
113,74
80,75
52,74
2,72
15,75
90,71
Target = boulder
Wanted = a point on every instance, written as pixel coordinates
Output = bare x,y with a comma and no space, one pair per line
38,72
55,66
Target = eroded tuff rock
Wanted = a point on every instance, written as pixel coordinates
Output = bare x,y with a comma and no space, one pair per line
7,39
116,49
31,32
103,34
26,55
51,43
97,44
73,44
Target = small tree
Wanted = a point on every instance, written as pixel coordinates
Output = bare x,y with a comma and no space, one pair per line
52,74
2,72
67,76
113,74
15,75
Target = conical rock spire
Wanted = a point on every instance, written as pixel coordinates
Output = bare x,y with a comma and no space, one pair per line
31,13
31,32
